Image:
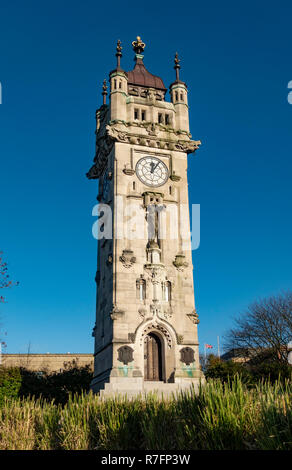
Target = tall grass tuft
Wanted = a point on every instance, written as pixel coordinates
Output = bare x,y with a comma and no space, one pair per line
275,428
17,419
220,416
228,415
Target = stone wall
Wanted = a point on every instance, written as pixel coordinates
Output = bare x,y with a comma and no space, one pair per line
46,362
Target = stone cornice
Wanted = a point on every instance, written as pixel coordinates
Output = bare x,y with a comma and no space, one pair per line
118,91
154,136
117,72
144,102
147,125
175,85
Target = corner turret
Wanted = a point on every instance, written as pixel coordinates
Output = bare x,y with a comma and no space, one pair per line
179,97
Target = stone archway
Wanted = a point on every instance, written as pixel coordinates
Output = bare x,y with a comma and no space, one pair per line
168,340
153,361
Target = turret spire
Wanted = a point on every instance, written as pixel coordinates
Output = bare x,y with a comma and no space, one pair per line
104,91
119,54
176,66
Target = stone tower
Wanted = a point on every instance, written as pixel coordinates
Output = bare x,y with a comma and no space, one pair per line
146,323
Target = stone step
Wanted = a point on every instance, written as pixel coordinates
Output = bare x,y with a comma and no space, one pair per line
149,385
134,395
158,388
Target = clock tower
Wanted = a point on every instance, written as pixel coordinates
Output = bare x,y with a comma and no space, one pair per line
146,322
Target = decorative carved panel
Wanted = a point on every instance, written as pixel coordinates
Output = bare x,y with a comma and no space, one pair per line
180,262
187,355
127,258
125,354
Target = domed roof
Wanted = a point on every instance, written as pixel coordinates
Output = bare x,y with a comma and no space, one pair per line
141,76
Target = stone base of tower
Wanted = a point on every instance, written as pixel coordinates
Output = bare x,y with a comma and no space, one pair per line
136,386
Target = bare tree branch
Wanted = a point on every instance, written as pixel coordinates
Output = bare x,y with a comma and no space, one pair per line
265,326
5,282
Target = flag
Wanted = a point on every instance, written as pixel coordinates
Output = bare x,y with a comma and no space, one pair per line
208,346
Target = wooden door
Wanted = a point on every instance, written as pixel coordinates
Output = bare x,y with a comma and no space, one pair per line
152,358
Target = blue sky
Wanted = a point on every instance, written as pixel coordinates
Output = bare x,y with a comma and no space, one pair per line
236,60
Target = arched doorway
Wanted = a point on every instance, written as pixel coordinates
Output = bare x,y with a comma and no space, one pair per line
152,357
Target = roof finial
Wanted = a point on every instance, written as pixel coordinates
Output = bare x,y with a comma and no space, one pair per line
104,91
138,46
176,66
119,54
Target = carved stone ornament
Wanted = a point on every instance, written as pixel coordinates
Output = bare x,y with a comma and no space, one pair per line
180,262
93,173
127,258
167,313
151,129
103,149
93,331
129,171
188,146
175,177
155,308
144,92
142,312
194,317
125,354
116,313
187,356
131,337
116,134
158,327
180,339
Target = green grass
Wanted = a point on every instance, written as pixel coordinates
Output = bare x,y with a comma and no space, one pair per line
221,416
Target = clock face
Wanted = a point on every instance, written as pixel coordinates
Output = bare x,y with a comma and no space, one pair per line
152,171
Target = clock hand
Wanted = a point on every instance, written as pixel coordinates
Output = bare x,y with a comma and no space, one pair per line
153,166
156,166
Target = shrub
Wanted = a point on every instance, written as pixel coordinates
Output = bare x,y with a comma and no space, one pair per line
55,386
10,382
225,370
273,371
251,372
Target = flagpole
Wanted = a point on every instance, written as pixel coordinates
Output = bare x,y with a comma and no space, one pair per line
218,347
205,350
